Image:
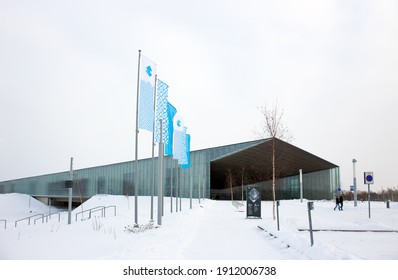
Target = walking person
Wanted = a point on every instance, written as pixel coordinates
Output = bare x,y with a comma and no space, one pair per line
337,203
341,202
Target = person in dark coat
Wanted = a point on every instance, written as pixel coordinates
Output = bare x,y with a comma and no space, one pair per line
337,203
341,202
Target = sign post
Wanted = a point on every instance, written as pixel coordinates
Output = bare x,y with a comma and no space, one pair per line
368,179
253,205
277,212
310,206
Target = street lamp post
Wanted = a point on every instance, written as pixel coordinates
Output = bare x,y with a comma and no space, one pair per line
301,185
355,182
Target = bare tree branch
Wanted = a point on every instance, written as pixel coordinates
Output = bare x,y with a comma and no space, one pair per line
272,126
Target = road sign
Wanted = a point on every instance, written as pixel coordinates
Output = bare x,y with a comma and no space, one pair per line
339,189
351,188
368,178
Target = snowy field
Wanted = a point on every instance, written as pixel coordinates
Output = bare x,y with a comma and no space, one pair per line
213,235
212,230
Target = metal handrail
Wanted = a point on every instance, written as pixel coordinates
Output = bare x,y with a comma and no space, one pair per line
114,206
91,210
102,209
96,209
49,216
28,218
59,217
42,220
5,223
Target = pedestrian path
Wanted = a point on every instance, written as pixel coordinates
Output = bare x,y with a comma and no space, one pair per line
232,235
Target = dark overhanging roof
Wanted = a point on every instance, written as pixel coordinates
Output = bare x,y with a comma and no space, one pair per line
257,162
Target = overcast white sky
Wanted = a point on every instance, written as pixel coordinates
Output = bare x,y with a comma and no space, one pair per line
68,73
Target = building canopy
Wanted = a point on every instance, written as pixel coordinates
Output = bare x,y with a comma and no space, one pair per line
255,163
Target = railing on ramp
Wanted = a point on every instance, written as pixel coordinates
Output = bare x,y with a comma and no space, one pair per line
96,209
28,218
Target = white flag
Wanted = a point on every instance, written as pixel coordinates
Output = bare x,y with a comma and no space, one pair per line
178,123
179,140
147,70
146,96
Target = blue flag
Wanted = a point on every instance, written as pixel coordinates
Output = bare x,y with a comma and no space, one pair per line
168,143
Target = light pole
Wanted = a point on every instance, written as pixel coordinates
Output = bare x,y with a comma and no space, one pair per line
70,192
355,182
301,185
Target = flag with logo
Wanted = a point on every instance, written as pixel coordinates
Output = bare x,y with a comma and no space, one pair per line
146,108
179,141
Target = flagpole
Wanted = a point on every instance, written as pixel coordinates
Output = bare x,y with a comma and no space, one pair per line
171,186
153,149
160,185
136,145
179,192
180,197
190,189
177,188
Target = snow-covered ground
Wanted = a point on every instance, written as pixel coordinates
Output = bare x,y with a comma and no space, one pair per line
212,230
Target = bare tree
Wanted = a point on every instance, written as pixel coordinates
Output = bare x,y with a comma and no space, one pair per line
231,182
272,126
242,172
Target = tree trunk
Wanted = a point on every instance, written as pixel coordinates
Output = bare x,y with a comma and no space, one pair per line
232,193
273,178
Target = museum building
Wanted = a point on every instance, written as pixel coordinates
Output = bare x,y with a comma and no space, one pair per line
218,173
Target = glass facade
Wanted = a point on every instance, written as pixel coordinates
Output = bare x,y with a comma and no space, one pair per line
119,179
316,185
